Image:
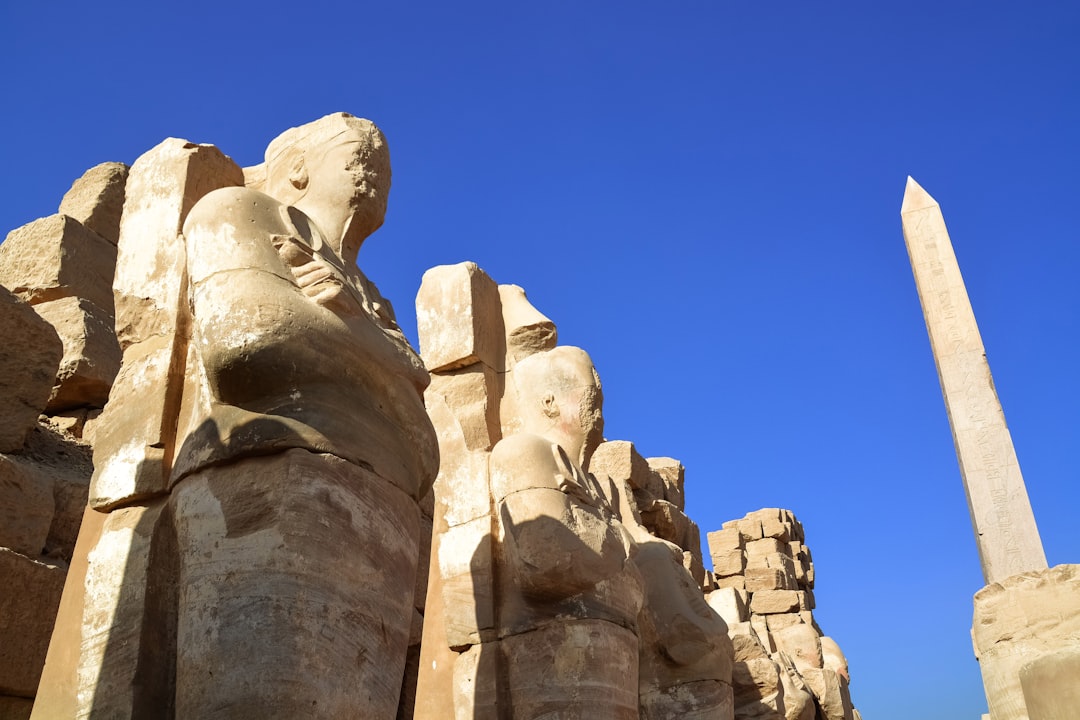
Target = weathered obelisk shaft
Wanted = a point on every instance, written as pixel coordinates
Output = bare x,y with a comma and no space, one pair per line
1001,516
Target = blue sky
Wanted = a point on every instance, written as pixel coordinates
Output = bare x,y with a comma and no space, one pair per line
706,197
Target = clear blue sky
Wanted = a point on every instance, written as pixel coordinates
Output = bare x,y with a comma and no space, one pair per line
704,195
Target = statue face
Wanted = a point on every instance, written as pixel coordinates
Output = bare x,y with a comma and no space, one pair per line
349,176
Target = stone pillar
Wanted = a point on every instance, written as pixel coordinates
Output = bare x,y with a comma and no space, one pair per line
1001,516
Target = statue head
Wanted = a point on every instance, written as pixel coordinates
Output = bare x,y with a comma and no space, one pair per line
337,171
559,398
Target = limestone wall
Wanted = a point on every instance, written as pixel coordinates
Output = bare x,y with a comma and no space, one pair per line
58,362
762,584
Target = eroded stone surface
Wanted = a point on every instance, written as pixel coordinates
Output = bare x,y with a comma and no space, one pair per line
96,199
26,374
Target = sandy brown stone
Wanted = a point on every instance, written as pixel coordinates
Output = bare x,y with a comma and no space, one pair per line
29,597
91,353
27,374
528,330
1017,621
730,604
97,199
458,318
56,257
802,644
766,602
26,505
831,692
672,475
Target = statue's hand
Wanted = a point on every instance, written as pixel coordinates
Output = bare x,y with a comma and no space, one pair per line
317,279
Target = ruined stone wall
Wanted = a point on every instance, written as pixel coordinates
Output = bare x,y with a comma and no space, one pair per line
762,584
58,362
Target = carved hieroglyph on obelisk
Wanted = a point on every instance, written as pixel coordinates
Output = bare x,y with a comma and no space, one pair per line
1004,525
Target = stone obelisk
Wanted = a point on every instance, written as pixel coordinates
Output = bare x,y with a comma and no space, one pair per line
1001,516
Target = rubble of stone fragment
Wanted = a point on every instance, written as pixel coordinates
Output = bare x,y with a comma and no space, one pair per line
633,626
762,584
59,361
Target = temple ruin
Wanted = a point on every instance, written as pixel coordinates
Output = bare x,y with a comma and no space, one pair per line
231,489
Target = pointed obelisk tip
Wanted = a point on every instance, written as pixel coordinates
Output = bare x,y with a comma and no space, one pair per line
915,198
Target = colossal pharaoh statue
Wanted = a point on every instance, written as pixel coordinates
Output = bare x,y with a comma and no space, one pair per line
253,537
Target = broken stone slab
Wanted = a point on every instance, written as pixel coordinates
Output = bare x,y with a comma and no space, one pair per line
672,476
528,331
459,318
758,690
97,199
26,505
731,604
777,529
665,521
750,528
620,460
56,257
29,597
91,353
831,692
27,372
768,602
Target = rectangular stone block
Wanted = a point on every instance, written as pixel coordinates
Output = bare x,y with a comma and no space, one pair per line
56,257
721,541
806,599
732,562
26,505
730,604
29,597
472,394
91,352
765,546
750,528
692,540
162,186
779,621
785,564
665,521
97,199
27,372
731,581
776,529
672,476
758,579
693,565
620,460
767,602
831,692
459,318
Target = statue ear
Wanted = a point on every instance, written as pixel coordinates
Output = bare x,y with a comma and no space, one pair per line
298,176
550,407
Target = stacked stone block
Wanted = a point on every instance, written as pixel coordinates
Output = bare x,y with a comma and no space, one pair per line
762,584
59,361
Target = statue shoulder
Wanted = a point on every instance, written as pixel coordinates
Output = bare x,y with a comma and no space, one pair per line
525,461
240,207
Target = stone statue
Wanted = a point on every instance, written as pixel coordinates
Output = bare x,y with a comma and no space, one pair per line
568,592
274,508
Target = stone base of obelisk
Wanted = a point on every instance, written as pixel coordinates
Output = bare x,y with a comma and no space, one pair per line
1026,630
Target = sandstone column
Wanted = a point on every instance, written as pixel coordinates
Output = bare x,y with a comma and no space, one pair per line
1004,525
